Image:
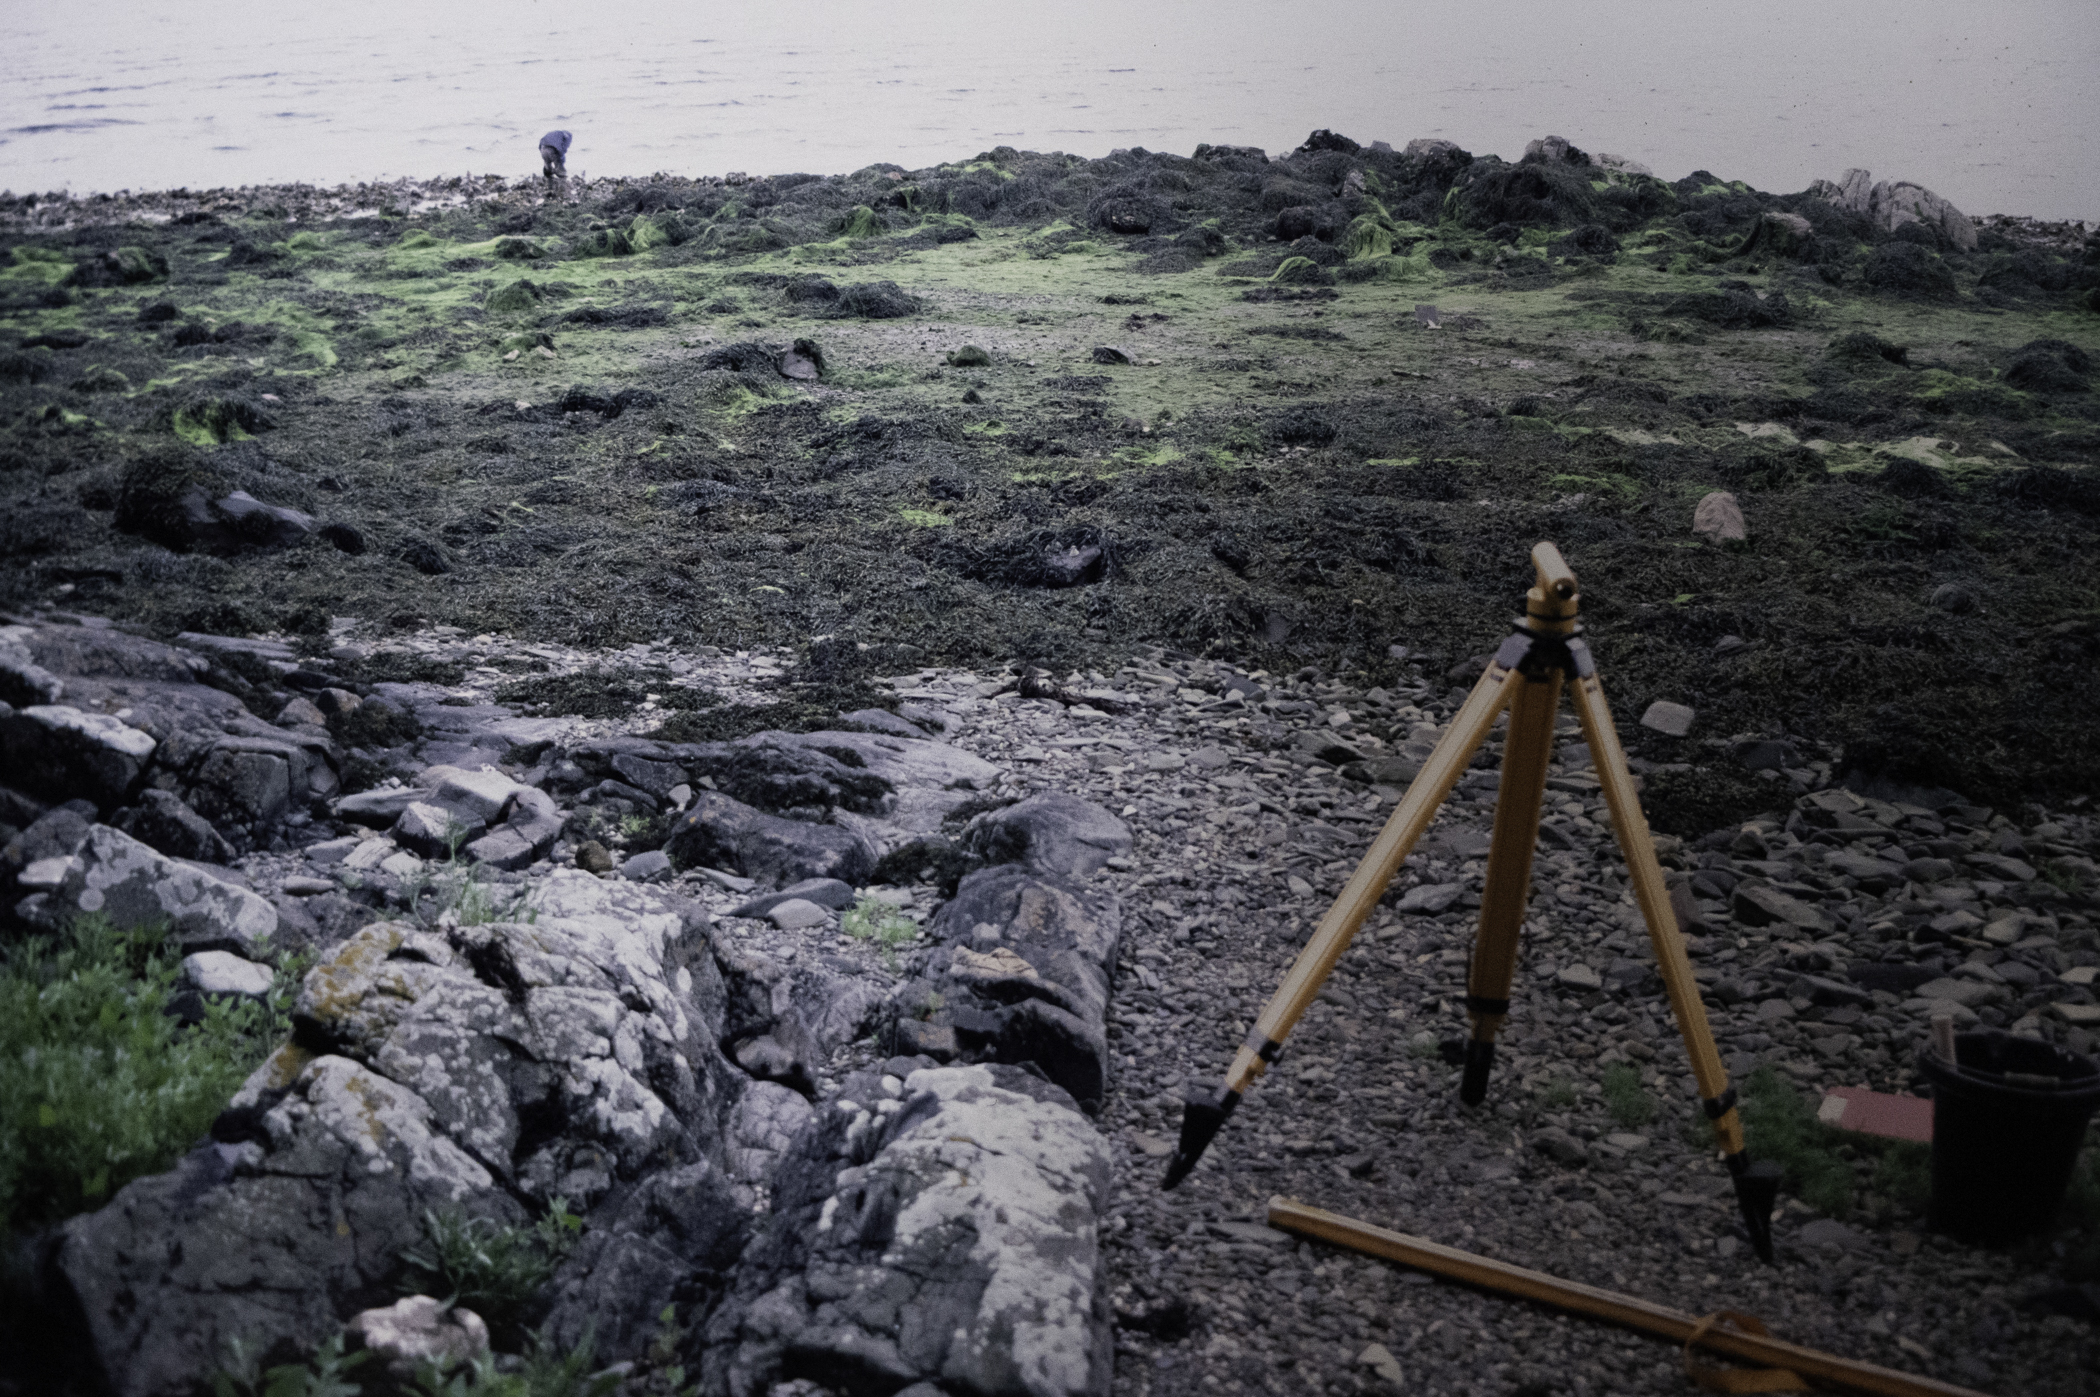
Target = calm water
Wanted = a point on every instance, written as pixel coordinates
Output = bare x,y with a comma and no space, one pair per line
1992,105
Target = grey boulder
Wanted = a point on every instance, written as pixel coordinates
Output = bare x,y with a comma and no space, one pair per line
1052,833
488,1070
1023,969
950,1237
166,822
718,832
57,751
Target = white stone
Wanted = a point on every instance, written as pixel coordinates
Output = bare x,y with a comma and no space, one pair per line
43,875
401,865
332,851
1718,518
222,972
1669,719
368,855
1379,1359
1017,1175
100,729
1580,977
420,1330
1430,898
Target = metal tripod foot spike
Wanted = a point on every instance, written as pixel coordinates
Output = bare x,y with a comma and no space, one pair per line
1543,657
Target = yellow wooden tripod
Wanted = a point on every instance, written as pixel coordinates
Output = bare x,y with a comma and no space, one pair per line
1540,658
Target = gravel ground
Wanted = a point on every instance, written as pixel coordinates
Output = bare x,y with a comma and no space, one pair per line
1238,851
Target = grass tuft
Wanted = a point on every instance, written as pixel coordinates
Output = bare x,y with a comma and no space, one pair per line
1625,1098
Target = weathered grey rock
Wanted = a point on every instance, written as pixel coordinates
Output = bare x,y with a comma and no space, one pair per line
1551,150
222,972
57,751
1891,205
377,809
797,912
1718,518
1561,1147
1581,978
504,848
165,821
952,1240
133,885
483,794
1023,970
1760,904
883,721
718,832
824,892
23,682
417,1331
249,780
764,1124
1053,833
243,521
678,1233
525,836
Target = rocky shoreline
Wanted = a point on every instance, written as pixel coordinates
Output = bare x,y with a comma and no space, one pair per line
742,740
1152,845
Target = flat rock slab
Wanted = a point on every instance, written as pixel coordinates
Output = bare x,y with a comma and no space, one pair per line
824,892
133,885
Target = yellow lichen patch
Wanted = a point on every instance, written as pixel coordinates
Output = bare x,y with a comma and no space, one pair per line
281,1068
337,985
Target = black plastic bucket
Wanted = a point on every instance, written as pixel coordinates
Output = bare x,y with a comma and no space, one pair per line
2008,1117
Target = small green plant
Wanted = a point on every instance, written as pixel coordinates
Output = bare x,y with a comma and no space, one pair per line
492,1268
1625,1098
872,919
2066,876
98,1084
1556,1095
1782,1127
546,1373
320,1376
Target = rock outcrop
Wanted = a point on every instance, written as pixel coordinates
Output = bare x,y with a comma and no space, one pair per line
942,1227
1888,206
489,1069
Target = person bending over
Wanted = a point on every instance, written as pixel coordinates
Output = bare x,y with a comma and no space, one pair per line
554,156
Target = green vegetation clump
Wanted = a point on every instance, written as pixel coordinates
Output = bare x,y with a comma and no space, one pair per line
521,297
492,1268
1625,1098
1824,1167
1299,271
99,1084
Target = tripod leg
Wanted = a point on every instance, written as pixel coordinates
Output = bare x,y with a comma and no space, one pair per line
1206,1108
1756,1186
1526,752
